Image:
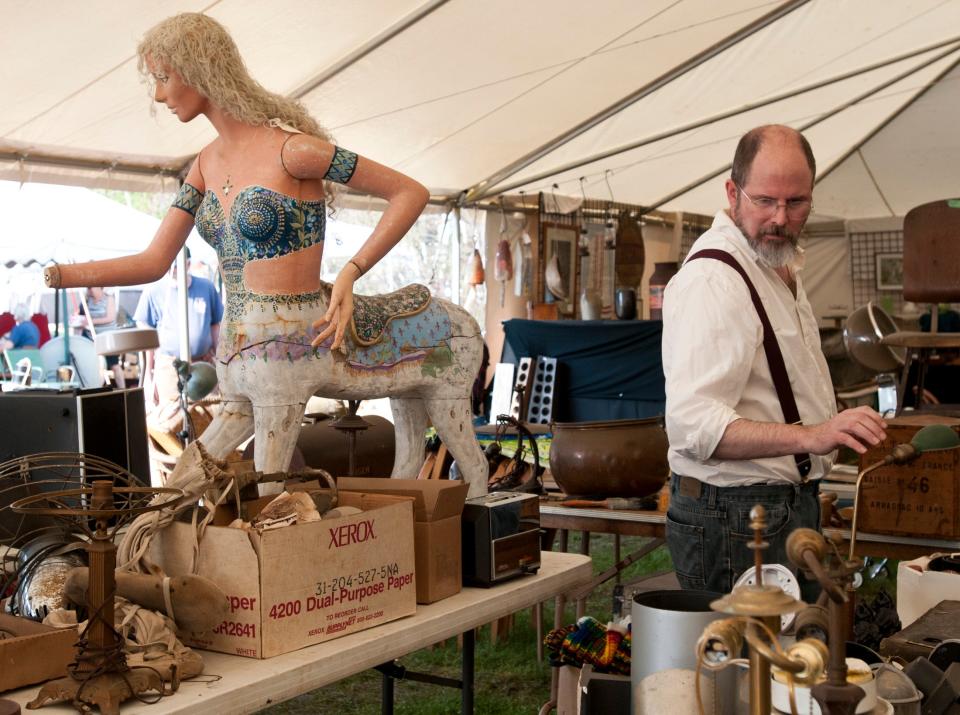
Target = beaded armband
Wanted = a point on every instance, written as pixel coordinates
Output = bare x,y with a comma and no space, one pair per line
342,166
188,199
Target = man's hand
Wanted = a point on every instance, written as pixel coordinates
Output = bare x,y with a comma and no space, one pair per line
857,428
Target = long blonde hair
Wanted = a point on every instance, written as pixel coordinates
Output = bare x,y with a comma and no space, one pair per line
201,51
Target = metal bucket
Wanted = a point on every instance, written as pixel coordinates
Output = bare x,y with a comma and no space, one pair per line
666,628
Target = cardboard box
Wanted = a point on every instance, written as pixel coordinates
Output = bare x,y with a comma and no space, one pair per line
34,653
918,499
602,693
303,584
438,504
919,590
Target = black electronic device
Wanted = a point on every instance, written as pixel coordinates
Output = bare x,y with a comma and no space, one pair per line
501,537
107,423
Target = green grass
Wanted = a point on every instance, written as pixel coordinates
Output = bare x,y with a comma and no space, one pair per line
509,680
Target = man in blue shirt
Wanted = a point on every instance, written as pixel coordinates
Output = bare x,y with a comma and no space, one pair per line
24,335
159,308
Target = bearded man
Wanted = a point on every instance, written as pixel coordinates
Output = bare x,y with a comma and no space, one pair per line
750,414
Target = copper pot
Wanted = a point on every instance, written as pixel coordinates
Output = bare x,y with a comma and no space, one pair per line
612,458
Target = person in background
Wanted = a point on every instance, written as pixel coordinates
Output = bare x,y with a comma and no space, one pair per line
103,315
731,445
24,335
160,308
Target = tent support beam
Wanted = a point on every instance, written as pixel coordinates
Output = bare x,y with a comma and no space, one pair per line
477,190
367,47
833,112
880,127
89,164
713,119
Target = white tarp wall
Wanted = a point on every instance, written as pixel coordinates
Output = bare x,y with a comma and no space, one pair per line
489,96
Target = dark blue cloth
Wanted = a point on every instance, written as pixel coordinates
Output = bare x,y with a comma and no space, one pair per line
948,321
25,335
607,369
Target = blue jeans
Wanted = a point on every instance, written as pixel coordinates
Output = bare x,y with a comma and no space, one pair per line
708,534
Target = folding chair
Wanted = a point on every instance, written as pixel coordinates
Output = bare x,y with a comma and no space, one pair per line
931,274
24,365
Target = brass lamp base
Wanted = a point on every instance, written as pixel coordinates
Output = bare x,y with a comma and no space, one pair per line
837,699
107,691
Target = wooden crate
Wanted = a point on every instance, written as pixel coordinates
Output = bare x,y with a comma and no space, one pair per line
917,499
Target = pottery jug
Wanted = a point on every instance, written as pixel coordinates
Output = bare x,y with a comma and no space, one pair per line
662,274
625,304
612,458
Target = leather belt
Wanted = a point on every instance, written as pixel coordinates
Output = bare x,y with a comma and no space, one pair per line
689,487
694,488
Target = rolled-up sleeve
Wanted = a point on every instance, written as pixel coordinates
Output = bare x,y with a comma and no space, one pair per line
711,335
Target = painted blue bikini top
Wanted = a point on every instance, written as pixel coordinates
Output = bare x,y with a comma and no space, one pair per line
263,223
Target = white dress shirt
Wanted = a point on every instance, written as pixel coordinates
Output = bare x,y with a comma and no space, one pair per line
716,369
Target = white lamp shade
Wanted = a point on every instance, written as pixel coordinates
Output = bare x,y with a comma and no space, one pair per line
128,340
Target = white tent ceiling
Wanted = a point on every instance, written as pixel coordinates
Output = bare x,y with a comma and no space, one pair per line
644,100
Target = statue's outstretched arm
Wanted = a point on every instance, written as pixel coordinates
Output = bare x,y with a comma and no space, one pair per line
145,267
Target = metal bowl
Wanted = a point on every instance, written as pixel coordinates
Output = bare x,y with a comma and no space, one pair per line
862,333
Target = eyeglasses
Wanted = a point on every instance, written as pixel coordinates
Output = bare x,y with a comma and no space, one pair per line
795,208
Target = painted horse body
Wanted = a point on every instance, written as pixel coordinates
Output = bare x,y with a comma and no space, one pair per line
422,353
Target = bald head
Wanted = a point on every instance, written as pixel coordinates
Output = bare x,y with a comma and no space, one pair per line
770,136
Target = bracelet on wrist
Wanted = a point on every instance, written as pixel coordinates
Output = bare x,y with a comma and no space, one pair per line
357,266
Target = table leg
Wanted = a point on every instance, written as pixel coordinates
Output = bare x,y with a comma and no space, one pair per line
395,671
386,694
467,667
560,604
581,605
538,620
921,376
547,537
904,376
616,553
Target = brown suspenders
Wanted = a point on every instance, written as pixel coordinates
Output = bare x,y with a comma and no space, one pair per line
778,370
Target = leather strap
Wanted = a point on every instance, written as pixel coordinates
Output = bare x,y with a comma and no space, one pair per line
778,370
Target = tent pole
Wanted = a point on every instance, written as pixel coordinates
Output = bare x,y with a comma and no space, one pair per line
710,120
75,163
366,48
66,329
475,191
833,112
455,268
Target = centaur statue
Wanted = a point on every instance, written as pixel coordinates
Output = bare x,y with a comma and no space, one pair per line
421,352
258,193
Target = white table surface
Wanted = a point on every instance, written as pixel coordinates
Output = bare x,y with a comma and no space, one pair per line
248,685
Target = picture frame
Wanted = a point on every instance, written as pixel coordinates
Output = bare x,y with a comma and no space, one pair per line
889,271
560,240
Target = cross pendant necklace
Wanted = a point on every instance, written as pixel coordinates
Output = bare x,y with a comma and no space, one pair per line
227,186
